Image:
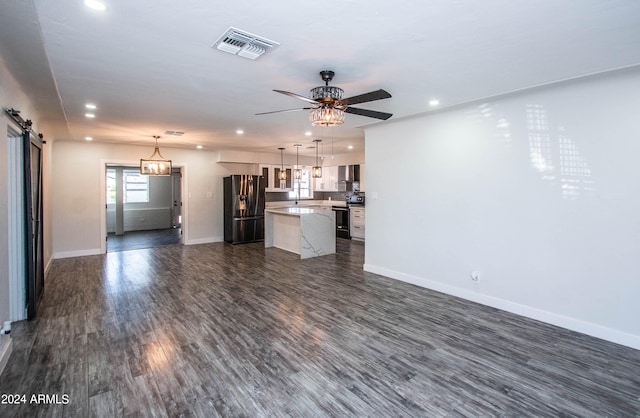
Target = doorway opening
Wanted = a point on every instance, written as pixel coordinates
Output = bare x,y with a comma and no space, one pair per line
142,211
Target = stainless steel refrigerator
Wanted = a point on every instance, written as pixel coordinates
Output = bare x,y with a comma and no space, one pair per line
244,208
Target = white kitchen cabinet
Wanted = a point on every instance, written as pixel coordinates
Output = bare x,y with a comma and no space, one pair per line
265,171
283,185
329,180
273,183
356,222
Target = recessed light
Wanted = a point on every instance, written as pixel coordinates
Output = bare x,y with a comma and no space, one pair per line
95,5
199,147
308,133
88,138
90,106
239,131
434,102
90,115
350,147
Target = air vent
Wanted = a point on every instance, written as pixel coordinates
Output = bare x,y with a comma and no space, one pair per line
174,133
244,44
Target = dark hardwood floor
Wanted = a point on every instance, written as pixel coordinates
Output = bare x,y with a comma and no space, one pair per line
223,330
135,240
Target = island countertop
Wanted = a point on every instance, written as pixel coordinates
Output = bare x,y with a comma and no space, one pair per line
308,231
298,210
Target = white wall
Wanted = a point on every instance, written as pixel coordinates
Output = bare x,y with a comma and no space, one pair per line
538,192
78,201
348,158
12,96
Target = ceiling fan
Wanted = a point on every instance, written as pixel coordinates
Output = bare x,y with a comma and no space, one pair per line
329,107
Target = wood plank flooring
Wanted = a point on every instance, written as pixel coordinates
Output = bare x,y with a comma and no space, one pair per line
134,240
222,330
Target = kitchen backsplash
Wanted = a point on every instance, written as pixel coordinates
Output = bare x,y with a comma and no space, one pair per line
280,196
333,195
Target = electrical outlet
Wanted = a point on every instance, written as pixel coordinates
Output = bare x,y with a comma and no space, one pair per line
475,276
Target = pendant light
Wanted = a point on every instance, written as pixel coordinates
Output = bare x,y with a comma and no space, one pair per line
297,173
283,174
317,169
156,164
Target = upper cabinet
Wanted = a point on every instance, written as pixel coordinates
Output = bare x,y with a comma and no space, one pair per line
341,178
265,170
282,185
271,173
329,180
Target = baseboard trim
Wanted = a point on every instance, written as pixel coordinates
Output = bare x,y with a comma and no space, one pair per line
204,240
5,351
573,324
97,251
80,253
47,267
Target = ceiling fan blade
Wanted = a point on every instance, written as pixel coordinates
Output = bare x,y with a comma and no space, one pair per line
297,96
366,97
368,113
286,110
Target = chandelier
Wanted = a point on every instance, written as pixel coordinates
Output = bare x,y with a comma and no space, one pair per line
156,164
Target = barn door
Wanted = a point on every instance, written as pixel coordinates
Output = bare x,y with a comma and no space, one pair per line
32,152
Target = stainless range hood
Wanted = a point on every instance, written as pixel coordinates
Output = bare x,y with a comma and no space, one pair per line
347,175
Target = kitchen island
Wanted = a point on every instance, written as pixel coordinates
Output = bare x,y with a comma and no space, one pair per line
308,231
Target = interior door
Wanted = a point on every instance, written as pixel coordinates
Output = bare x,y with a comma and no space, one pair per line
176,212
33,220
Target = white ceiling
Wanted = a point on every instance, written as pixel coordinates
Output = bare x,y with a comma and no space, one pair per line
149,67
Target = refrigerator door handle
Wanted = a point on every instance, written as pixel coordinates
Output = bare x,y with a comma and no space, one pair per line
247,218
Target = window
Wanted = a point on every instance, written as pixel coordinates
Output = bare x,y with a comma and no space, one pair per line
111,186
305,186
134,186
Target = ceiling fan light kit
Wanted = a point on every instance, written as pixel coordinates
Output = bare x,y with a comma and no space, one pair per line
326,93
326,116
330,107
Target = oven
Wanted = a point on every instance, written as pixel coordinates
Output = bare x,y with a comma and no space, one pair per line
342,221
